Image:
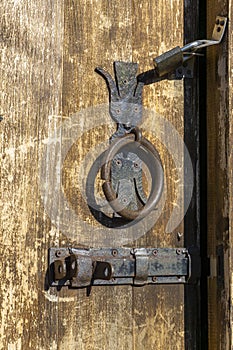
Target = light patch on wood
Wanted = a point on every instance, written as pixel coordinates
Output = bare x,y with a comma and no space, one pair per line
55,298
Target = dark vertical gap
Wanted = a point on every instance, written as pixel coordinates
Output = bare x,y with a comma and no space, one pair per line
191,220
203,180
196,316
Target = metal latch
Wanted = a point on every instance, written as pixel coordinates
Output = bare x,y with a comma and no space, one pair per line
105,266
177,63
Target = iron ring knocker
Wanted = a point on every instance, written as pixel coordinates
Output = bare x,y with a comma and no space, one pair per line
152,160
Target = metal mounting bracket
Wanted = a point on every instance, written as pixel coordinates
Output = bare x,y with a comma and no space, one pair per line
217,35
75,268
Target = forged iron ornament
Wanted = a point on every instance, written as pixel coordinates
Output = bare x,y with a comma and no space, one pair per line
125,109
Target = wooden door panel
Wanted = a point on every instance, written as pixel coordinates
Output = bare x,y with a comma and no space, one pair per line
50,51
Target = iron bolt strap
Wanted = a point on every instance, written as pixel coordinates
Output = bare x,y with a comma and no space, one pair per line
78,267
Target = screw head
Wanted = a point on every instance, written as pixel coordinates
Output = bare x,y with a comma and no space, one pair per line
178,251
118,162
124,200
179,70
114,252
58,253
155,252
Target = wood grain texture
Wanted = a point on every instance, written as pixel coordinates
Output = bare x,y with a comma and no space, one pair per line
50,51
31,81
219,190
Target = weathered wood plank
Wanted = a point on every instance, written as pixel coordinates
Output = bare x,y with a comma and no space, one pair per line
160,29
94,34
31,80
218,184
230,169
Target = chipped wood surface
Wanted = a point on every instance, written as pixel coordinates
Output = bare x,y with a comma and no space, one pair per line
50,51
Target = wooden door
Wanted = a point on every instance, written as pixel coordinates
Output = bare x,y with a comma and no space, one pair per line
49,53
